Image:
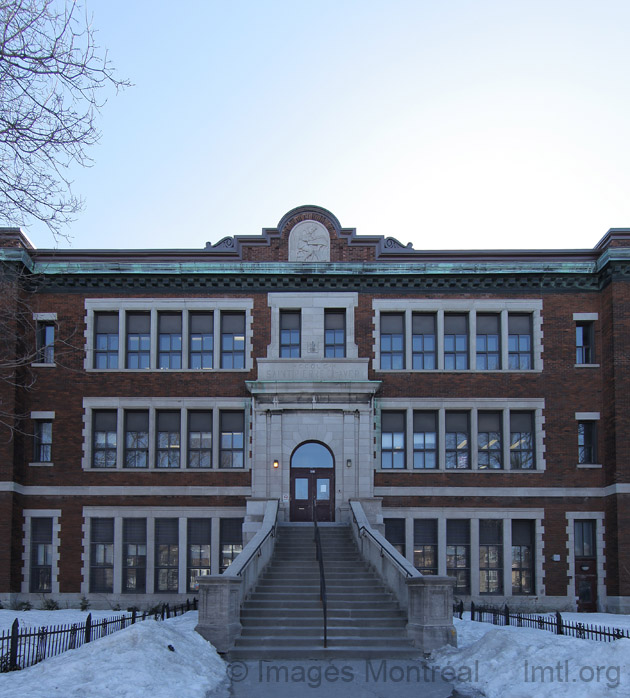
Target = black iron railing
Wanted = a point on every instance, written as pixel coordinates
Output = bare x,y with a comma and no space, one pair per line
322,577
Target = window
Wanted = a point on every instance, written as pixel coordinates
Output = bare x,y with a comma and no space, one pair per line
102,556
423,341
521,441
106,340
425,545
166,555
393,440
522,556
425,440
201,340
458,554
491,556
232,444
289,334
335,334
45,342
457,440
41,555
199,538
42,447
584,343
584,538
519,342
233,340
455,342
395,533
200,439
104,439
587,442
231,535
170,340
134,556
392,341
168,439
136,439
489,442
488,343
138,340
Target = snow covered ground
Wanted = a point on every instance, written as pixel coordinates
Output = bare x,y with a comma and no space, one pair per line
156,659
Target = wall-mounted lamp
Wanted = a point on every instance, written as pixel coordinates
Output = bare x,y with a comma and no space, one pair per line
276,464
349,463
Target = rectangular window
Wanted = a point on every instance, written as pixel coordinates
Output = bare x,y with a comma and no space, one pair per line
522,440
136,439
425,545
102,556
488,343
42,447
425,432
233,340
584,538
134,571
584,343
458,554
168,433
392,341
232,444
587,442
170,340
457,440
523,557
199,538
335,334
395,533
423,341
200,439
201,340
489,441
393,440
166,555
104,438
138,340
455,342
519,342
491,556
231,541
105,340
289,334
41,555
45,343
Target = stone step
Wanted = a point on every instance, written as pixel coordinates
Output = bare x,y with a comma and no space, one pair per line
331,596
315,621
281,615
337,641
318,652
315,630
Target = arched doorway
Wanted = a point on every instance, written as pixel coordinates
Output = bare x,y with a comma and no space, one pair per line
312,483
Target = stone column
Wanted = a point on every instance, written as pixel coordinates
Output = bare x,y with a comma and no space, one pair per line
430,623
220,610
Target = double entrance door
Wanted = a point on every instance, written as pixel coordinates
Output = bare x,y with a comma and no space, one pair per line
312,487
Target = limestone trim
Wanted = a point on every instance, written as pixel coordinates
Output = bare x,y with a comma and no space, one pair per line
29,514
600,552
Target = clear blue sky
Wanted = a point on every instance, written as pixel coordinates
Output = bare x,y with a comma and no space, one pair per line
446,124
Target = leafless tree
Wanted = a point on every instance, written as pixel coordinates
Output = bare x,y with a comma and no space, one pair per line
54,79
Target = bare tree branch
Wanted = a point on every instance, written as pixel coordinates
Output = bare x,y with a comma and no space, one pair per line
53,82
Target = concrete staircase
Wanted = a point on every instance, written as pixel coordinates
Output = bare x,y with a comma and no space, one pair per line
283,616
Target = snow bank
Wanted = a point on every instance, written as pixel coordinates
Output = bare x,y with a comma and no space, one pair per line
131,663
523,662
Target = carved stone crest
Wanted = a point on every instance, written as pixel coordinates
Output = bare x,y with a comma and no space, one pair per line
309,241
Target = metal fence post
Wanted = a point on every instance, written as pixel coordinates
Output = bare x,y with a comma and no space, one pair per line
88,628
507,614
559,626
133,616
472,610
13,651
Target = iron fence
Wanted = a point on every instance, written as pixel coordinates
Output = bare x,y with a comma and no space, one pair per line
21,648
552,622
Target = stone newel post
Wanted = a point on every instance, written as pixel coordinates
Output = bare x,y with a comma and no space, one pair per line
220,610
431,612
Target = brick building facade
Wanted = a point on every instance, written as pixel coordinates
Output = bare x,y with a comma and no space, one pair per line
476,401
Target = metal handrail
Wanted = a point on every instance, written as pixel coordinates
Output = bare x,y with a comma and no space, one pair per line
363,530
322,577
257,551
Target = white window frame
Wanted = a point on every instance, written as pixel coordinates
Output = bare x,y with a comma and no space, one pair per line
152,405
42,416
55,515
46,318
586,317
439,307
588,417
153,306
